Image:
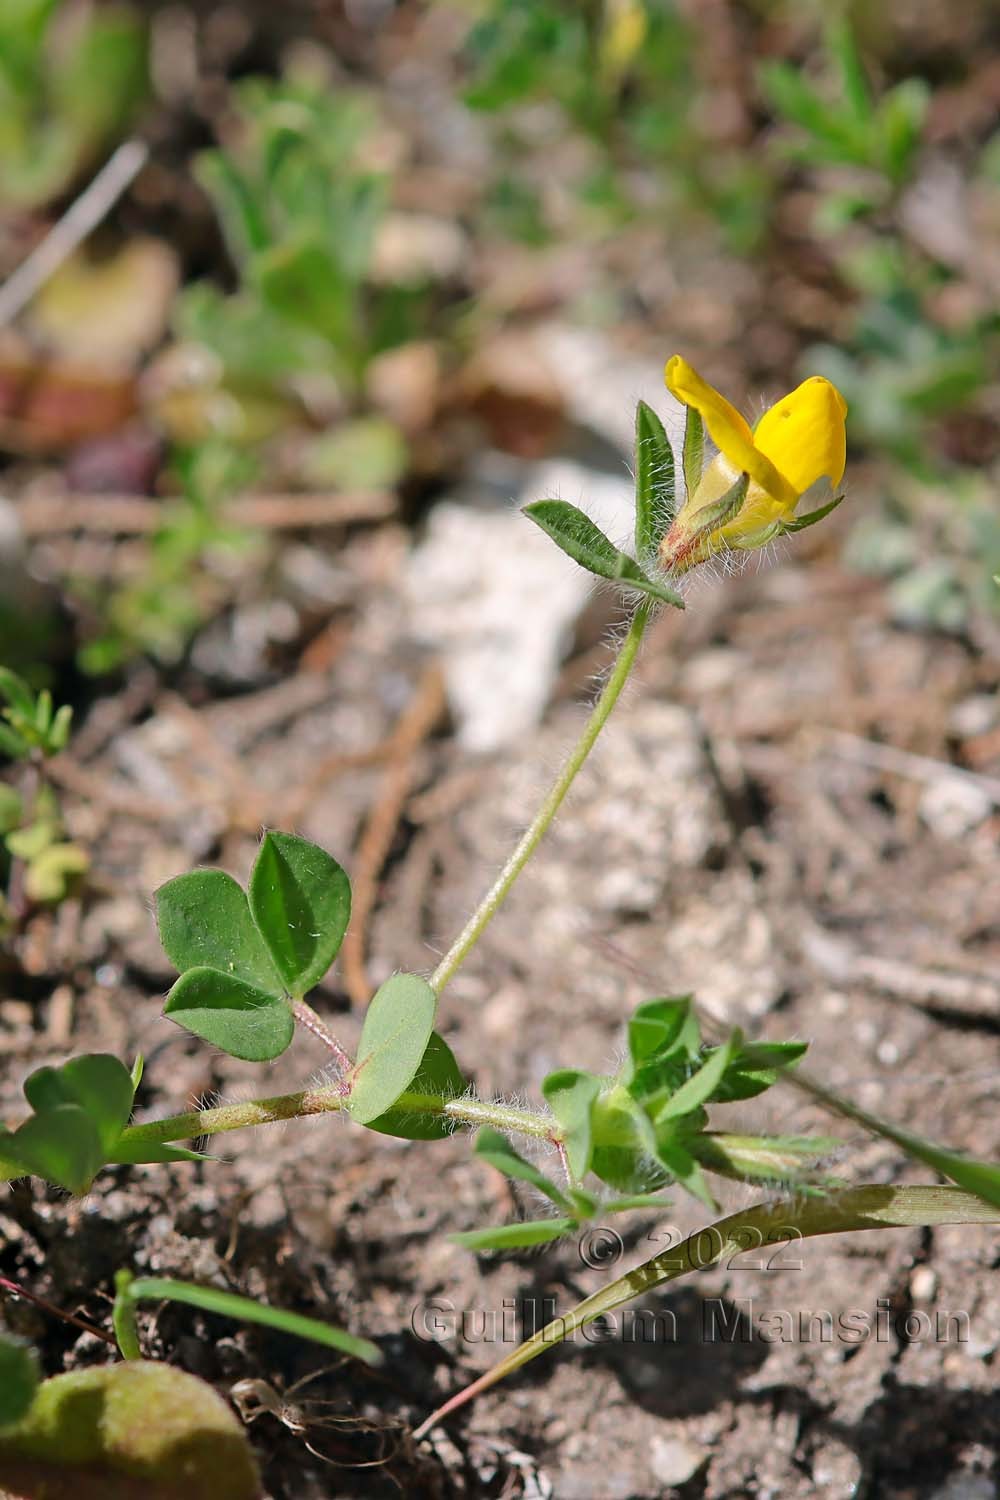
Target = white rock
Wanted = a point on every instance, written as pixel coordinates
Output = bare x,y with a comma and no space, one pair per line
836,1471
952,806
11,538
498,600
601,385
975,715
675,1460
411,247
923,1283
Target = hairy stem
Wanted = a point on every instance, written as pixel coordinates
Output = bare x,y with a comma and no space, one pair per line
531,838
307,1017
472,1112
329,1100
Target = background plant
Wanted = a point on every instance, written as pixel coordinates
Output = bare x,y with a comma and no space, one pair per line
71,78
904,367
300,198
41,864
624,74
185,575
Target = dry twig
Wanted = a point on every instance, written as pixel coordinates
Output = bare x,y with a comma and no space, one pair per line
72,229
134,515
419,718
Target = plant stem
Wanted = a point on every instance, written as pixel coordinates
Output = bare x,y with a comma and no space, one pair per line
16,1290
981,1177
328,1100
472,1112
123,1317
307,1017
531,838
870,1207
74,226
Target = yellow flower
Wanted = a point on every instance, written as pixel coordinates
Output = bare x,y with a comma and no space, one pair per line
749,491
625,28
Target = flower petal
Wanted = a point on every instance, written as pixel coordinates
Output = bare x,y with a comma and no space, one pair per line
728,430
803,434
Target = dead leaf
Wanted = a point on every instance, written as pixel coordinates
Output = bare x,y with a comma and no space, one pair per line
108,312
512,388
48,405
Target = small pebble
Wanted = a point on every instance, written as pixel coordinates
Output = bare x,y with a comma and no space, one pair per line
952,807
836,1471
923,1284
975,715
675,1460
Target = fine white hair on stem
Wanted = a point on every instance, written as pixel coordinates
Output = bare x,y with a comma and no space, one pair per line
208,1099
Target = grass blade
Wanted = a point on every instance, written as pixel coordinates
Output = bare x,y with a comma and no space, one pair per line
870,1207
979,1177
245,1310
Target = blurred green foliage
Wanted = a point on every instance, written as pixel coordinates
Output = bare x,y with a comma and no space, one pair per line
71,78
36,837
29,722
623,73
299,210
32,838
300,204
845,125
902,368
601,118
182,581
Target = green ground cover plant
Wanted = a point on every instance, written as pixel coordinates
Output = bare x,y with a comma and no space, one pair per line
300,195
71,78
622,73
39,864
905,366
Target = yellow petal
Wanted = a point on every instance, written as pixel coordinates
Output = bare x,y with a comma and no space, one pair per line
625,29
728,430
803,434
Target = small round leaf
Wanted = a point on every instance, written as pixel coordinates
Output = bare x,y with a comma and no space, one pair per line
18,1379
438,1077
300,899
393,1043
231,1014
97,1082
205,922
61,1146
570,1094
